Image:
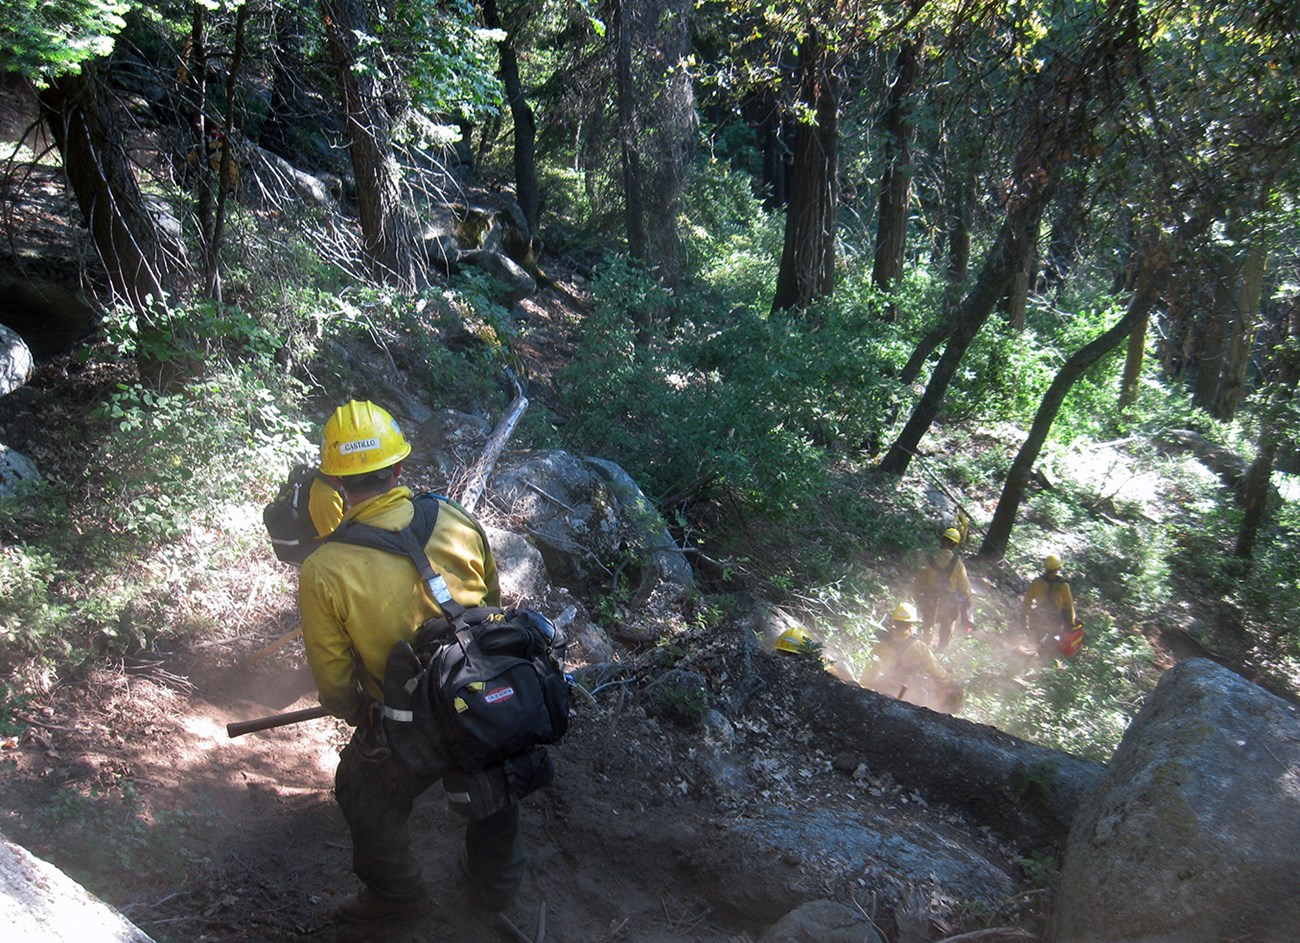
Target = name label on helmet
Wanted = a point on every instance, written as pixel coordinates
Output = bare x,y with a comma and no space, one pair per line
360,445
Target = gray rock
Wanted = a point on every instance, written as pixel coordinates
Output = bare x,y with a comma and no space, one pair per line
590,643
520,566
594,527
1193,834
822,921
504,269
16,472
452,442
15,361
38,902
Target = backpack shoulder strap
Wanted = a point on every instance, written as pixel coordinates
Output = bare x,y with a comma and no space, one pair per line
952,565
408,542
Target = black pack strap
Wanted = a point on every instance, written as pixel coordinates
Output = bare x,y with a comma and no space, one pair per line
408,542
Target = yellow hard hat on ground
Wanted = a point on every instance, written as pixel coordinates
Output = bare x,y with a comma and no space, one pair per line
361,438
794,640
1053,562
905,612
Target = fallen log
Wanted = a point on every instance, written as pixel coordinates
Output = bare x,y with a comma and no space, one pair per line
1027,794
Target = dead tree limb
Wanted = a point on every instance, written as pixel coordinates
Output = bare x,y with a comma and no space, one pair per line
492,451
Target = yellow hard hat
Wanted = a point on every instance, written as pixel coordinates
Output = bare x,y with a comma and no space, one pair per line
794,640
1053,562
361,438
905,612
952,534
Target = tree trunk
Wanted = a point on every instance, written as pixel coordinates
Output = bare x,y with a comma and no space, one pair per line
1273,430
807,269
1137,345
525,150
1211,327
1016,302
1232,382
195,94
388,239
141,264
675,124
927,346
896,177
1025,793
1152,275
629,135
226,164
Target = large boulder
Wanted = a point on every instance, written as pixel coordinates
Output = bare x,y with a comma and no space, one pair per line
1193,834
41,904
598,533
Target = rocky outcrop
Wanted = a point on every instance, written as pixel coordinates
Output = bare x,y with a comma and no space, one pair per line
598,533
1193,836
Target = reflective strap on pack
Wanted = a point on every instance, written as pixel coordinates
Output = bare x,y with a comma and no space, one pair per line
461,798
402,717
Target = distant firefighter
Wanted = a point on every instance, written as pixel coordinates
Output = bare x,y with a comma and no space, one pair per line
1047,611
941,590
903,666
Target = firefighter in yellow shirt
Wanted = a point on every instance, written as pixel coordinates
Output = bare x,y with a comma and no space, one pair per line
356,603
903,666
1048,606
941,590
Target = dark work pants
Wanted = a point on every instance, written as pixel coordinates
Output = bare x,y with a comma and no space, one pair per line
376,791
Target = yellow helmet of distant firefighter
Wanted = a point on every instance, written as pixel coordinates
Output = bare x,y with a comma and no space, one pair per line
794,640
952,535
1052,563
361,438
904,612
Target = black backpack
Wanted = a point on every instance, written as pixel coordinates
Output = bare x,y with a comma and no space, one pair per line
481,690
288,519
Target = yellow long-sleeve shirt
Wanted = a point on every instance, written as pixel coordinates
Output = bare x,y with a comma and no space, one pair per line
1050,601
899,660
355,599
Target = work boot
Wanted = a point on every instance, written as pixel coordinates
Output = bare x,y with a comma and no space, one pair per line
366,906
484,899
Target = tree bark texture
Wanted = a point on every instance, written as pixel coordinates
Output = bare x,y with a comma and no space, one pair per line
1069,97
896,176
807,270
388,239
1241,341
1272,432
1133,358
629,134
1153,272
142,266
657,117
1210,332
